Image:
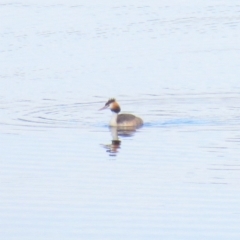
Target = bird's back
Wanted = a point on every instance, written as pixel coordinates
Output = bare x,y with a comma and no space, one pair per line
129,120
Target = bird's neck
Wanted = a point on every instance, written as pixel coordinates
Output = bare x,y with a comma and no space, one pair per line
113,121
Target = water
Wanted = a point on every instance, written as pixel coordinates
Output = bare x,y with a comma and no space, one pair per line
174,64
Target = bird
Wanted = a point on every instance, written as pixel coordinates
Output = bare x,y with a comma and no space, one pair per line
121,120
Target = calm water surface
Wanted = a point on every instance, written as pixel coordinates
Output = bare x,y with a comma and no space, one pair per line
174,64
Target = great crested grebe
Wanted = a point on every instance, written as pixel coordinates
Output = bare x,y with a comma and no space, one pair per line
121,120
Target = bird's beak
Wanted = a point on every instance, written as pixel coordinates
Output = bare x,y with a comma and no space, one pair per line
105,107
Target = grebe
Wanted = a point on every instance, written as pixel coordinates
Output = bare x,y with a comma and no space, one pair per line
121,120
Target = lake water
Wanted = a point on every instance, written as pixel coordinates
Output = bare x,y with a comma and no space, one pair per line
175,64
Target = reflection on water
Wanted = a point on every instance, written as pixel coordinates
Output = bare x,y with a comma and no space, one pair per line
122,131
113,147
115,133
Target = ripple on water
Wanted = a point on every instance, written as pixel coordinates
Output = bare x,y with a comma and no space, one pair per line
178,123
51,115
157,111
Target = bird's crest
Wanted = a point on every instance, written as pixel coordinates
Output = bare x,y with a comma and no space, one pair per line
111,100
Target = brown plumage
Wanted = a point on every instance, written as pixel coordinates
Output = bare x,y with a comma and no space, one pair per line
124,119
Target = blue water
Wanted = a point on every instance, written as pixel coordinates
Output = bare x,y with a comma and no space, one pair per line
175,65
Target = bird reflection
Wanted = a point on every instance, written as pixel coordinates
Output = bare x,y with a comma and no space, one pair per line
114,146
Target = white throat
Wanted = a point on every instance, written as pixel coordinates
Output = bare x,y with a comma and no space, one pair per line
113,121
